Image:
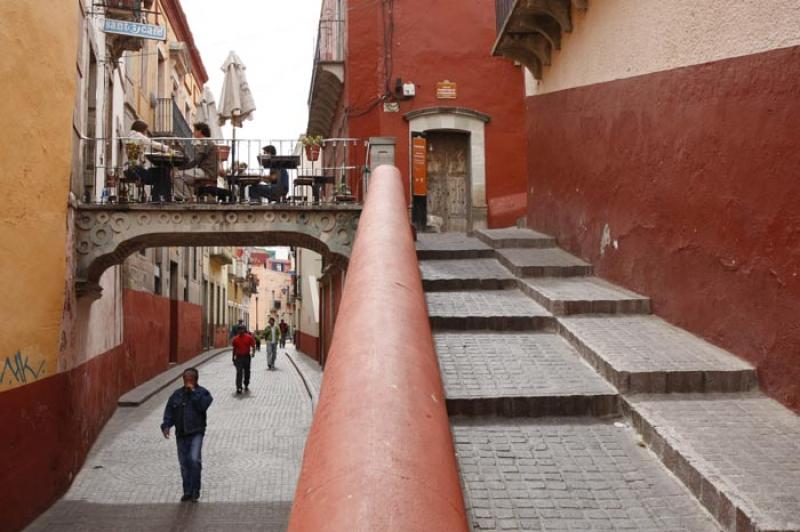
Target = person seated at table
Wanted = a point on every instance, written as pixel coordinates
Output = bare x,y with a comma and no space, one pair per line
140,169
277,185
204,166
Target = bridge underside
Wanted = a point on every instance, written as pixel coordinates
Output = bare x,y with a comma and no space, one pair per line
106,234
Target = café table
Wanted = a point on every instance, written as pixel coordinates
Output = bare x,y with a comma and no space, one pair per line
165,162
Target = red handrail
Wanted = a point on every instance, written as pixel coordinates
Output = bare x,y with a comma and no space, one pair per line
380,455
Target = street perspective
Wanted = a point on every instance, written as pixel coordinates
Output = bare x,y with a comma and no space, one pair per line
400,265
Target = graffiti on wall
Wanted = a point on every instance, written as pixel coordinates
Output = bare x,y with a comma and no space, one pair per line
17,370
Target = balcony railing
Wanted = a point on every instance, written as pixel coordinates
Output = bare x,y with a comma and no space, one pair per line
221,254
502,10
330,47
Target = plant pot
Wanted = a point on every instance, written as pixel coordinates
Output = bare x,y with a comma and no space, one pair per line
312,152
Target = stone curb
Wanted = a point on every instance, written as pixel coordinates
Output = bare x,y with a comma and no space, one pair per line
313,393
145,391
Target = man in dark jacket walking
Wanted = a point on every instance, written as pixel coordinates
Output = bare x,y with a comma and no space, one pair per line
186,411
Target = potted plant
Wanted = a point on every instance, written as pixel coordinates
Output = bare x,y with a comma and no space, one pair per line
343,192
312,145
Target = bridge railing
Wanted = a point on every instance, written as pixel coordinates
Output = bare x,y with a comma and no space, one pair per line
380,455
111,169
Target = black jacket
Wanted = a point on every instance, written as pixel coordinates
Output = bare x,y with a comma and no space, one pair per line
189,407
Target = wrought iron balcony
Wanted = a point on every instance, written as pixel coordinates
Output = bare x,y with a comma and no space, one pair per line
327,79
529,30
221,254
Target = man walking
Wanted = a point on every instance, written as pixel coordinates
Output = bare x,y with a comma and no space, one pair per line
272,334
186,411
243,350
284,327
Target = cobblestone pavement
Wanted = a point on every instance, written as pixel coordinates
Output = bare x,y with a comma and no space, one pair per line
574,295
568,474
483,303
647,344
515,237
548,262
746,446
487,364
251,460
450,246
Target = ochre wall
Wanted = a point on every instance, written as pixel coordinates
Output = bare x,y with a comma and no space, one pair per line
616,39
428,50
695,171
39,43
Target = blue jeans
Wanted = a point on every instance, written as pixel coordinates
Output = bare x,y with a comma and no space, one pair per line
190,450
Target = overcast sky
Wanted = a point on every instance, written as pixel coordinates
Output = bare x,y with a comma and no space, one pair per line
276,42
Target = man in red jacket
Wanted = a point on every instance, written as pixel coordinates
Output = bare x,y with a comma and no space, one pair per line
243,350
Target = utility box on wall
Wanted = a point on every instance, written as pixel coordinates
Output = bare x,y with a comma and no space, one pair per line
381,151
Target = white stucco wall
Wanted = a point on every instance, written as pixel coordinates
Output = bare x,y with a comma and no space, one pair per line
616,39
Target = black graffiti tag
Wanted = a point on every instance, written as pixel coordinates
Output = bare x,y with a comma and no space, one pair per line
19,370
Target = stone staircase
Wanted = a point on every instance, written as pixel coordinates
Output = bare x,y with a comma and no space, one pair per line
574,408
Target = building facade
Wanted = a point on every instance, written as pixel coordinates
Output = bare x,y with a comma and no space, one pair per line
275,293
398,70
75,91
663,147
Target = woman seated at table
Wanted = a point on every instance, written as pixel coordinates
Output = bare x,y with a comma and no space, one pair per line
202,170
138,144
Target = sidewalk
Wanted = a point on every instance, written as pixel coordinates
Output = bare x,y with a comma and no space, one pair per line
251,459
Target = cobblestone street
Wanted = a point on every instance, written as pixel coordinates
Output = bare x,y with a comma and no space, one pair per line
251,459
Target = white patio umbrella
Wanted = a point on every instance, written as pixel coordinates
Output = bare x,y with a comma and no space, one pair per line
207,112
236,100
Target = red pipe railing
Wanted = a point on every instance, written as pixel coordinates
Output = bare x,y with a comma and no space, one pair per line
380,455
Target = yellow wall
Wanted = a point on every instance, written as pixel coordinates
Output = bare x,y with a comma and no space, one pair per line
616,39
39,43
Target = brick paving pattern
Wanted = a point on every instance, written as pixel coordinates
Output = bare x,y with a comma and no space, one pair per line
513,364
585,295
515,237
251,461
645,353
742,451
451,246
465,274
568,474
491,309
550,262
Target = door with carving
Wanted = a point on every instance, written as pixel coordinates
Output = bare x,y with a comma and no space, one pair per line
448,179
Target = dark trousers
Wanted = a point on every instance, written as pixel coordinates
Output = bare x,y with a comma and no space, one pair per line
242,371
190,457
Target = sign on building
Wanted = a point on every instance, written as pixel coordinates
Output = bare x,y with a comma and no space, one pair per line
134,29
419,158
446,90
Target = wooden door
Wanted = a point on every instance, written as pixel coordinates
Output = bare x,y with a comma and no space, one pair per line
448,178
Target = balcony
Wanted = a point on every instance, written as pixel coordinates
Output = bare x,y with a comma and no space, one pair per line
239,272
221,254
327,80
529,30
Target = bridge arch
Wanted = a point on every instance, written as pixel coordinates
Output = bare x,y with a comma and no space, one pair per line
107,234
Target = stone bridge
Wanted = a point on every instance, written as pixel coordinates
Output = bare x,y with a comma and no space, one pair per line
106,234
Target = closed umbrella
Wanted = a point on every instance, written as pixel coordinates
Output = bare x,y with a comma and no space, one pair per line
207,112
236,100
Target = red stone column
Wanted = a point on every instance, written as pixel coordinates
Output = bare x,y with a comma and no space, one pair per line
380,455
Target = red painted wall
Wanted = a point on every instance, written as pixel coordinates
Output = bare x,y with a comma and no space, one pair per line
221,336
190,331
695,171
307,344
437,41
147,321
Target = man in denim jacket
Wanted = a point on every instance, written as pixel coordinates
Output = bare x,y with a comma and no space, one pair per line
186,411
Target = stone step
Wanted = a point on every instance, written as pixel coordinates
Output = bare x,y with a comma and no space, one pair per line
514,237
486,274
550,262
519,374
583,295
568,474
448,246
644,354
738,453
487,309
